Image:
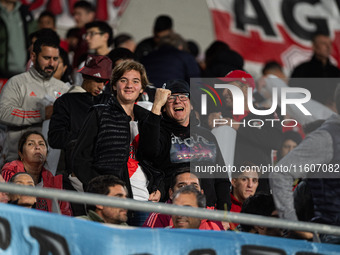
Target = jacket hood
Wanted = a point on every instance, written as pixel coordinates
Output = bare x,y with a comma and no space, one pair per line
334,119
76,89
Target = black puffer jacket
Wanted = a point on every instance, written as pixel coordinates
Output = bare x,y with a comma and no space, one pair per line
103,146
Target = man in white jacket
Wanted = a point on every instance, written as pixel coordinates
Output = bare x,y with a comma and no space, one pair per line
27,99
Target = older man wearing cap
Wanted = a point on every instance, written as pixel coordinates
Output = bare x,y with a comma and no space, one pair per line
167,139
70,110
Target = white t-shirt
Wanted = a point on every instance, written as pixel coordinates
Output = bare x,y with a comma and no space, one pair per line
138,178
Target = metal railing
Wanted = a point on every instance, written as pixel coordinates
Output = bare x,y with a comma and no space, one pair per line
130,204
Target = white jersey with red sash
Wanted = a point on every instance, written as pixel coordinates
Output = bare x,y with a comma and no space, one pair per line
138,179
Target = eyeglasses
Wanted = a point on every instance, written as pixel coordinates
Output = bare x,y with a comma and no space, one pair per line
182,97
91,34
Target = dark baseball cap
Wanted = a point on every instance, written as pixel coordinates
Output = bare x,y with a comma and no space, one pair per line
97,66
177,86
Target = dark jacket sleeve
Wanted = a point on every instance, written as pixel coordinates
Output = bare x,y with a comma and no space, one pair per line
82,157
222,189
155,177
222,186
59,133
154,144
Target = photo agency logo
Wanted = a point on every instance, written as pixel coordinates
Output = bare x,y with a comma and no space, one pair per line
234,99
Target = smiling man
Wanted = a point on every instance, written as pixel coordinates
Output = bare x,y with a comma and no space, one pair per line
25,99
170,141
188,196
181,178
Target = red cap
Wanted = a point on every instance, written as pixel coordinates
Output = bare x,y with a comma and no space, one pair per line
242,76
97,66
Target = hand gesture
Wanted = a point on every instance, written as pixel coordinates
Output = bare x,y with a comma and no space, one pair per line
161,97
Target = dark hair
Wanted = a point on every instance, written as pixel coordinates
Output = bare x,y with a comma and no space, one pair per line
101,185
193,48
129,65
220,60
292,135
120,54
45,32
120,39
162,22
47,14
289,135
190,189
214,50
73,32
63,56
259,204
84,5
270,65
319,33
44,41
103,27
25,136
178,172
17,174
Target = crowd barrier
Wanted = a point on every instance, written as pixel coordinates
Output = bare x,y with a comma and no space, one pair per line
27,231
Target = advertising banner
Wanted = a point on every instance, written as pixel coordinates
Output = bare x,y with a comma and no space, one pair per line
27,231
280,30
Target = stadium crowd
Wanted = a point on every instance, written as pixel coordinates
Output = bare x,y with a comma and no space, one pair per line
97,112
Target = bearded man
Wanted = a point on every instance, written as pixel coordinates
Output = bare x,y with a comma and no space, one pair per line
27,99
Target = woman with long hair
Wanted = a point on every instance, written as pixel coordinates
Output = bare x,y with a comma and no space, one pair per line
32,150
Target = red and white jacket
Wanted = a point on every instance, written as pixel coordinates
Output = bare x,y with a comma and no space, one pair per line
49,181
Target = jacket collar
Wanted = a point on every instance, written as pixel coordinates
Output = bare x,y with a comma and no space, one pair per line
234,200
315,60
37,76
94,216
139,112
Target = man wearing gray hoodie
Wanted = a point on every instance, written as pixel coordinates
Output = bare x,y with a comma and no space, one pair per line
317,158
